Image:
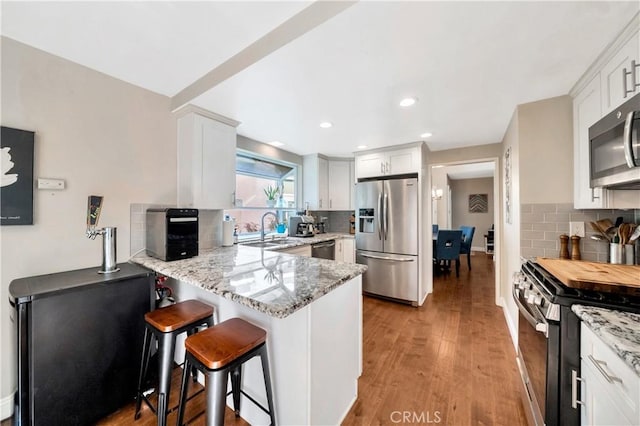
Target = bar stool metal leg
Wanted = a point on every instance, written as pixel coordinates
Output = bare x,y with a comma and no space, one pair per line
166,344
216,385
144,364
236,386
264,357
183,389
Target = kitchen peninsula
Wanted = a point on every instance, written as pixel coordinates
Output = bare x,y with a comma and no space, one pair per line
311,309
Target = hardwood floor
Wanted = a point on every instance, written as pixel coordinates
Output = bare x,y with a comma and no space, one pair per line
450,361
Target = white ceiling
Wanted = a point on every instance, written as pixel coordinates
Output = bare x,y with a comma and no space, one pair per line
468,63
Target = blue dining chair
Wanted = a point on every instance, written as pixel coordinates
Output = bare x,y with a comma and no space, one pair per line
467,238
448,248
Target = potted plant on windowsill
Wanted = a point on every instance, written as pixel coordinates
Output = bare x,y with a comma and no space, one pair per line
271,192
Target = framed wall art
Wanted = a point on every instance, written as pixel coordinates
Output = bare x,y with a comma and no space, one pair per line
16,190
478,203
507,185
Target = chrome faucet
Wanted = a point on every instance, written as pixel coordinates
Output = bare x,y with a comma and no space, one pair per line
262,223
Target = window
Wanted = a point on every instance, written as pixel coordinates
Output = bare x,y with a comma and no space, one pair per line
254,174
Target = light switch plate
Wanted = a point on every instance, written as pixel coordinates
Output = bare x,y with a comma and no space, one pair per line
576,228
51,184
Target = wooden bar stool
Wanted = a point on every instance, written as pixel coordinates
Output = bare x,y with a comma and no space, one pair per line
165,324
221,350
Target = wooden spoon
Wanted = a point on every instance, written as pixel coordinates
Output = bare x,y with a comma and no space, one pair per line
624,230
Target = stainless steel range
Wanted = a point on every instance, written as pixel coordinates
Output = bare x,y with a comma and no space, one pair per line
549,342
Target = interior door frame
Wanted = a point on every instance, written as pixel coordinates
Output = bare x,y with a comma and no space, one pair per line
497,213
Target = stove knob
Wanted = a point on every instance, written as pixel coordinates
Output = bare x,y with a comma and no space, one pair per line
538,300
531,297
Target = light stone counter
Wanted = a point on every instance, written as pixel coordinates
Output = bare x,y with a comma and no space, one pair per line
619,330
273,283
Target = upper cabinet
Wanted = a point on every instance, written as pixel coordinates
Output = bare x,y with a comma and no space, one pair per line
391,162
206,161
608,83
587,110
327,184
620,74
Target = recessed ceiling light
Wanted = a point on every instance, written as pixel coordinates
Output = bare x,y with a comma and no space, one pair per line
408,102
363,146
326,124
426,135
276,143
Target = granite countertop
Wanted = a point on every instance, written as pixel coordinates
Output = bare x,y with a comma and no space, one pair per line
277,284
619,330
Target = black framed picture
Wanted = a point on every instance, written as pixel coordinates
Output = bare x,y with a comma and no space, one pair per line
16,190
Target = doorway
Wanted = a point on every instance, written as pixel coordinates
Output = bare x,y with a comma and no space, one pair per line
468,193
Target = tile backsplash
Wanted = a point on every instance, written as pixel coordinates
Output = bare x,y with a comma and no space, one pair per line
209,227
338,221
542,224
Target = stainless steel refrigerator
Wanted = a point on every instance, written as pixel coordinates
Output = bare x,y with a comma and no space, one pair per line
387,237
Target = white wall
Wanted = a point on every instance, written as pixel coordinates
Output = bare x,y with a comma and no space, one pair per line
103,137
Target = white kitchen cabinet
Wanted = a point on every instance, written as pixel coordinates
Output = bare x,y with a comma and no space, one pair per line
613,81
610,389
598,92
327,184
206,162
340,185
345,250
391,162
586,111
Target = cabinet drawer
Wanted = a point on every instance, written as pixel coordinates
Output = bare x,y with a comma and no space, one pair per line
614,376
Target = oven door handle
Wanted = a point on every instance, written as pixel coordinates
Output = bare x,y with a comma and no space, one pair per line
541,326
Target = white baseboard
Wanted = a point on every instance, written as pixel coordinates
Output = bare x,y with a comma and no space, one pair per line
6,407
513,331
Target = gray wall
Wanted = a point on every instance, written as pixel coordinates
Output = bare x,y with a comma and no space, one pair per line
103,137
460,215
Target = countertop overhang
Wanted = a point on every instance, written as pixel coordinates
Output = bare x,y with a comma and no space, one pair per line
277,284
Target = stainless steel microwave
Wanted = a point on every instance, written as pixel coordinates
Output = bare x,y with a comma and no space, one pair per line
614,148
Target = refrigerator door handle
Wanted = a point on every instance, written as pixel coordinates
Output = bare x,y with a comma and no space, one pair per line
392,259
379,216
386,216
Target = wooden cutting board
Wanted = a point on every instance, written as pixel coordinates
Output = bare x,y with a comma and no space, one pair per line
586,275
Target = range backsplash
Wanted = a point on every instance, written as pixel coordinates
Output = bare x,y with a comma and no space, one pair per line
338,221
542,224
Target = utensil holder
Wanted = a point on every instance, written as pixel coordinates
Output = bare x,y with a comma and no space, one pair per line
616,253
630,254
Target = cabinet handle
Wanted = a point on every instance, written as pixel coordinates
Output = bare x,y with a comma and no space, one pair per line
330,203
599,365
574,389
625,73
593,195
320,203
388,167
382,167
